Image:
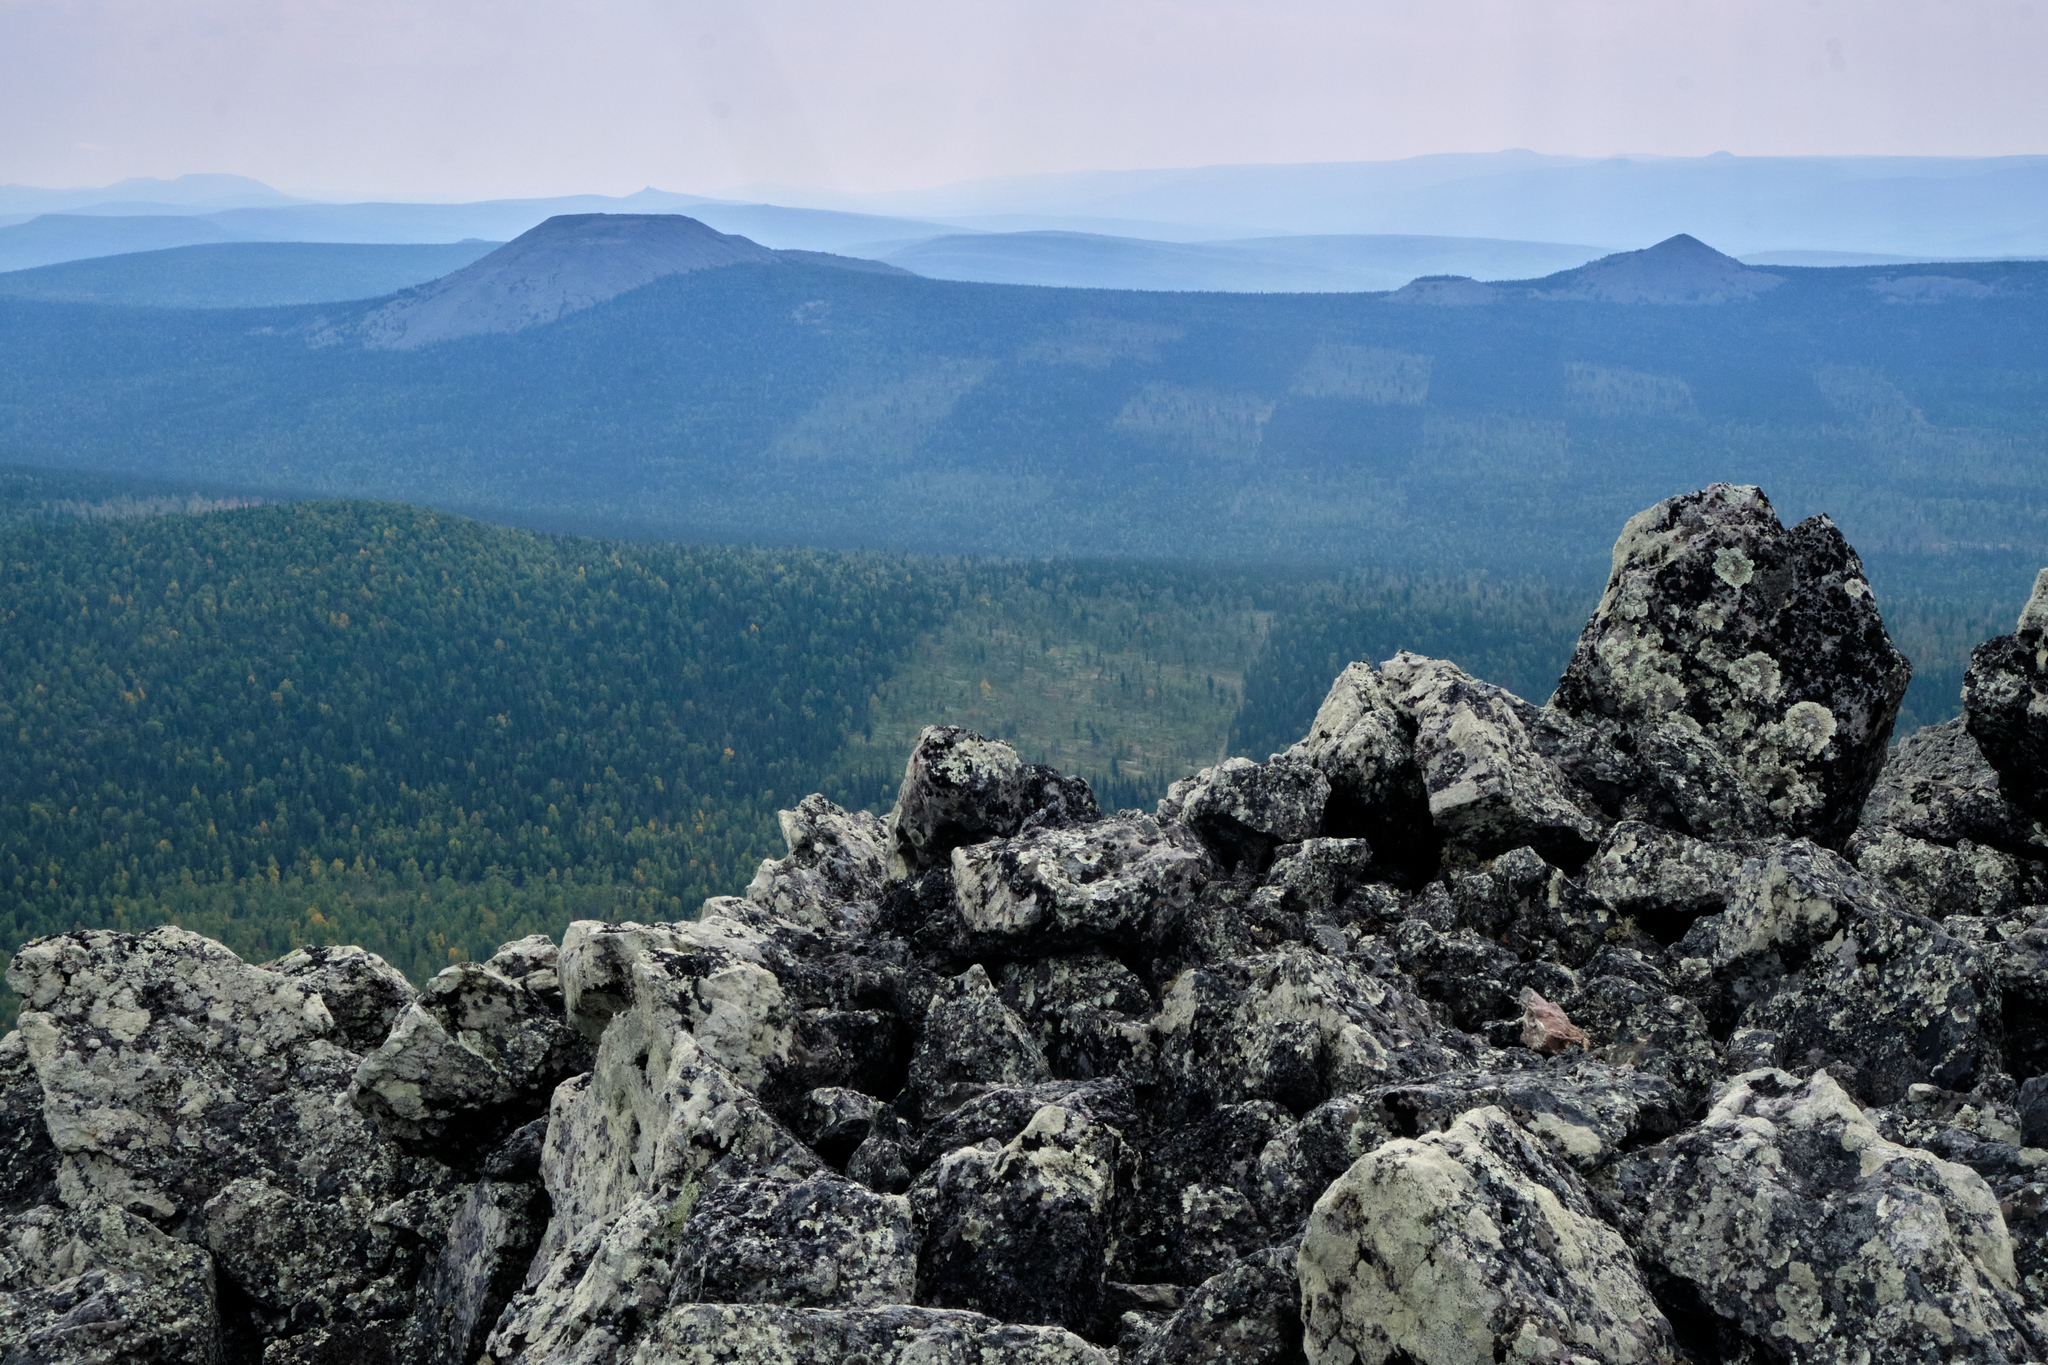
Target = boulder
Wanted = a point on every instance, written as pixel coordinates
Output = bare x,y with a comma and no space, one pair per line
971,1041
477,1053
364,993
96,1285
28,1159
836,869
1055,890
1244,809
818,1242
758,1334
1020,1231
1745,665
1366,748
960,788
1294,1027
490,1243
1939,880
1470,1245
1489,787
1089,1013
2005,704
1938,786
1787,1218
1246,1314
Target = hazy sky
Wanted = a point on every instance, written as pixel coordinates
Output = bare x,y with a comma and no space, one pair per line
463,98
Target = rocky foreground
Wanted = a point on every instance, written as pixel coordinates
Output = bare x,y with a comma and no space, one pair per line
1677,1019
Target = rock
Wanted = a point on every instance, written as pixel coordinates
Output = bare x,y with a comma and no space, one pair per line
28,1159
738,1334
1366,748
1938,880
835,1122
1002,1112
1745,664
1054,890
1586,1112
1546,1028
1785,1216
1532,908
1090,1015
1891,1002
1021,1231
1247,1314
1190,1208
2005,704
970,1042
1316,877
1635,1019
1490,788
1470,1245
1294,1027
2033,1110
477,1053
94,1285
838,863
819,1242
1661,880
1244,809
1937,786
959,788
490,1244
595,964
364,993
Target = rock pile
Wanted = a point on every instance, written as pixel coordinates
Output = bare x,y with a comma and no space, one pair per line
1676,1019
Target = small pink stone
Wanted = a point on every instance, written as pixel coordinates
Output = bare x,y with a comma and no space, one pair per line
1546,1028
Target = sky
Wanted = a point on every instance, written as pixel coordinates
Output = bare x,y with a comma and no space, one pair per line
468,99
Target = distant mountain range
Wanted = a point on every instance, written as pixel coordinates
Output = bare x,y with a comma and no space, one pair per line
649,375
243,274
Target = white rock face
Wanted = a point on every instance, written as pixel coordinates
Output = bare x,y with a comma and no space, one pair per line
1467,1247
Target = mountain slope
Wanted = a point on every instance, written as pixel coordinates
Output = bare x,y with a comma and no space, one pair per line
243,274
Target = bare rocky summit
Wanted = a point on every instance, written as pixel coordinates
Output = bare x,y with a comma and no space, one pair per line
1677,1019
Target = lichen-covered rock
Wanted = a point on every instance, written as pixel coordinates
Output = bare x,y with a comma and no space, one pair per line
1294,1027
819,1242
960,788
97,1286
1246,1314
1090,1014
1366,747
1021,1231
835,871
1054,890
1938,880
2005,703
28,1159
1787,1216
1490,788
490,1244
1244,809
477,1053
835,1121
1586,1112
1938,786
1470,1245
1663,880
364,993
1892,1001
1745,664
1635,1018
750,1334
970,1042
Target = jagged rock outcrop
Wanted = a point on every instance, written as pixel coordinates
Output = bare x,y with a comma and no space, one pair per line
1619,1028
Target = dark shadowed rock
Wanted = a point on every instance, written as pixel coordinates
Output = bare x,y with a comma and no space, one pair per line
819,1242
2005,704
92,1285
1470,1245
1938,786
970,1042
1745,664
28,1159
1247,1314
490,1243
1786,1216
1090,1014
1365,746
1019,1231
959,788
